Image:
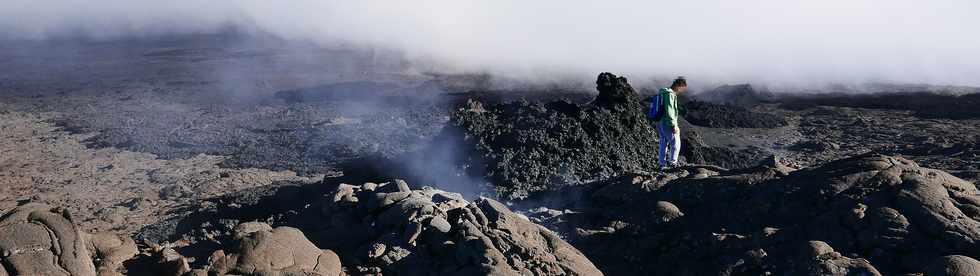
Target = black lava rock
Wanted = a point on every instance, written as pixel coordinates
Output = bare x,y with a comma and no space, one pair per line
728,116
525,147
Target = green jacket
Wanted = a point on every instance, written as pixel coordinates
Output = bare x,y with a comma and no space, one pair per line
670,107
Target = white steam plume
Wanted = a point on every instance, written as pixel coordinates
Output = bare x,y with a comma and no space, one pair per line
768,41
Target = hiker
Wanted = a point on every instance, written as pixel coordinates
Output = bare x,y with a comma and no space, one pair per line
663,111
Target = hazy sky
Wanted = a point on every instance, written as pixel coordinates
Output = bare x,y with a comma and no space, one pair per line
770,41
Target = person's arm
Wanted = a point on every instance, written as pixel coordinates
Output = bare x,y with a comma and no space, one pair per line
670,112
676,111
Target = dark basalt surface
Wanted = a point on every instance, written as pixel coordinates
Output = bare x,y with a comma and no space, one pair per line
523,147
866,215
528,147
740,95
924,104
728,116
584,167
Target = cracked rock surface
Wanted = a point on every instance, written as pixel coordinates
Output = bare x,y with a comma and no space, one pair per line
38,239
866,215
391,229
262,250
525,148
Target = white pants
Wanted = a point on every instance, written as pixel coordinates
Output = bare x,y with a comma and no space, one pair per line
670,144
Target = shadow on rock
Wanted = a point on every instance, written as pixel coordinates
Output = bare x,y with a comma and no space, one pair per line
385,228
870,214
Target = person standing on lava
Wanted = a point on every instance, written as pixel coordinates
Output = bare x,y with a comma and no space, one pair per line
664,111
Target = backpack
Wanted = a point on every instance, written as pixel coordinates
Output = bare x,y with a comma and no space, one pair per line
657,109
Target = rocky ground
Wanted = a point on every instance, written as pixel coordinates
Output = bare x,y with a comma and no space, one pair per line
107,188
154,158
866,215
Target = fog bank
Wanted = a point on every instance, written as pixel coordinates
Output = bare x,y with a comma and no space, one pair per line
761,41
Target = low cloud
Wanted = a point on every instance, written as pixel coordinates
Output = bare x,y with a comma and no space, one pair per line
763,41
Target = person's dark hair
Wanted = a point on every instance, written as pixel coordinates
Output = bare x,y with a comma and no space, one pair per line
679,81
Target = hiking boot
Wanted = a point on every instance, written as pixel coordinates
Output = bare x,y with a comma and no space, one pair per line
669,167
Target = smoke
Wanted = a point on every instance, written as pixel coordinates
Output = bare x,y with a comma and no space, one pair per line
762,41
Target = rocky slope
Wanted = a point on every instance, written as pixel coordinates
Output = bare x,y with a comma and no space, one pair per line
168,204
866,215
149,159
527,148
524,148
109,189
392,230
728,116
369,229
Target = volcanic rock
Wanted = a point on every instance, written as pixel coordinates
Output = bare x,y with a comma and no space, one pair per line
262,250
110,251
818,146
818,258
666,211
613,91
883,215
37,239
726,116
740,95
954,265
695,151
432,232
925,104
171,263
525,147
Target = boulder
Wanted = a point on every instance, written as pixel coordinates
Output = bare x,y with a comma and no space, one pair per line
819,259
37,239
954,265
882,214
110,251
263,250
432,232
171,263
666,211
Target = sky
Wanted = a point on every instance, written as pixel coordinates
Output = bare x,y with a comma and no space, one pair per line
762,41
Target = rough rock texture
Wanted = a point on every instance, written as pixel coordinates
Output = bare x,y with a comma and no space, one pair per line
392,230
525,147
695,150
881,215
38,239
818,258
925,104
741,95
831,133
262,250
108,189
728,116
110,251
168,262
954,265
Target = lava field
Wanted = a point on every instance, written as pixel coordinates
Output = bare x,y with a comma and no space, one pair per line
205,157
